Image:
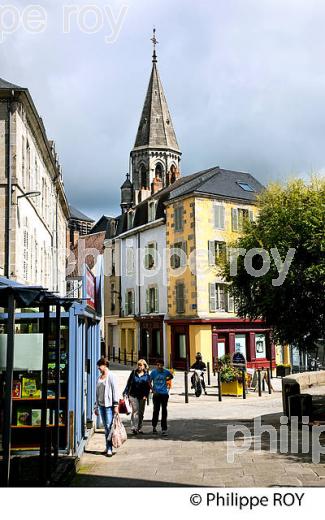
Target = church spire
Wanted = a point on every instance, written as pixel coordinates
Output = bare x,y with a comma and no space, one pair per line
156,154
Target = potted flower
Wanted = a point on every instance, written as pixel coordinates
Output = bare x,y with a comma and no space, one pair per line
231,377
283,369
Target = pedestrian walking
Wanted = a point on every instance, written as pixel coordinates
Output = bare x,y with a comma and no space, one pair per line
107,399
159,378
137,390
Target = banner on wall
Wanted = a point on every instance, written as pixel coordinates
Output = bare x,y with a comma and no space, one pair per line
90,289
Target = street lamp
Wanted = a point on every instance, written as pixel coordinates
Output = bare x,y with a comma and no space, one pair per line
29,194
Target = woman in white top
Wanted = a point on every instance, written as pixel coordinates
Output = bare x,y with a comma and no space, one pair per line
106,399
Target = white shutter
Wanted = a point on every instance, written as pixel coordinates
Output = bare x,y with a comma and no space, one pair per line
219,216
230,302
212,252
234,219
147,301
212,297
126,303
156,300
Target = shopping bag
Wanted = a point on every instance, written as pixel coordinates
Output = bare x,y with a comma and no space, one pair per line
124,407
119,435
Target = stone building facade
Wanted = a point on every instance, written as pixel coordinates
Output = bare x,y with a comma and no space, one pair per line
33,207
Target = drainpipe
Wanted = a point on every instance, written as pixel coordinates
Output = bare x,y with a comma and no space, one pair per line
9,194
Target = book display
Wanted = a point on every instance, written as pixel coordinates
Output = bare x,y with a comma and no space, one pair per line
27,398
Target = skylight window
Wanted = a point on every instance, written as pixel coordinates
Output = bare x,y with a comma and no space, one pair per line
245,186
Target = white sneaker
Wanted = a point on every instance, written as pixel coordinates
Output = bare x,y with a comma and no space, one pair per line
109,453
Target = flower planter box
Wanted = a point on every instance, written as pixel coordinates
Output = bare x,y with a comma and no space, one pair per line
234,388
282,371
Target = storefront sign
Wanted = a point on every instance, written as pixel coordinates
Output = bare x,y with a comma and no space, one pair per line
90,289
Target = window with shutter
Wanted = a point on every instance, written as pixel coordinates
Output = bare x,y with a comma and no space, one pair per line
178,258
219,216
220,294
212,297
150,255
178,218
180,298
156,300
230,302
217,251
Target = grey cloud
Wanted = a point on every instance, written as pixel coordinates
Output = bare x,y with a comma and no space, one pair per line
244,81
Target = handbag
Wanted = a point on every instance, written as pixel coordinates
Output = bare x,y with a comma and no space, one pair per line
119,434
124,407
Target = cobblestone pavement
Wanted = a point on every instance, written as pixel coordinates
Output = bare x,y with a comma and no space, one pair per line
195,451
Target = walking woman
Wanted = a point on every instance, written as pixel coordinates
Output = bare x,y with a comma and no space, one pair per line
137,389
106,399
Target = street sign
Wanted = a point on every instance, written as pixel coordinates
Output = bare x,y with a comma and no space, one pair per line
238,359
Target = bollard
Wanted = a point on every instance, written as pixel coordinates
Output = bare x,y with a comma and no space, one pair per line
208,371
219,387
244,384
269,381
214,366
271,369
113,354
186,386
259,382
125,360
263,382
119,355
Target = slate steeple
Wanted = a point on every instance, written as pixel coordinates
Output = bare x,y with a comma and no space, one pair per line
155,156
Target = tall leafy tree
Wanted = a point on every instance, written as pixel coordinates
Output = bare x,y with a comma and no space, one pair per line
290,216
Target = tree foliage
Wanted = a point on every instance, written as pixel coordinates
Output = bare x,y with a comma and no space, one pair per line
290,216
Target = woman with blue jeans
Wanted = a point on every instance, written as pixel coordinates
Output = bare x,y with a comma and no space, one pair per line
106,400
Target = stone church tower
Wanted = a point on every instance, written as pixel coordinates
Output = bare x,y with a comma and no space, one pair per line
155,157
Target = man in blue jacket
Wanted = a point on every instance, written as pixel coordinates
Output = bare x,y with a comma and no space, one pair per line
159,377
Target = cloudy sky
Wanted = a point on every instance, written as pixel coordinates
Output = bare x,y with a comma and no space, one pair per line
244,80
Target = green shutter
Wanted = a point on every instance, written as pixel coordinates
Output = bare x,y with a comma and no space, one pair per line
234,219
126,304
212,297
146,257
147,301
230,301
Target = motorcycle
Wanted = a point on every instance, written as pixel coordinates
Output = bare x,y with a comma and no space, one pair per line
197,382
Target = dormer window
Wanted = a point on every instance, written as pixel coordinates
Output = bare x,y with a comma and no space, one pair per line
152,205
245,186
130,217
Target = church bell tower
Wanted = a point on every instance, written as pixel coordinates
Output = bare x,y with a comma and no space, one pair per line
155,157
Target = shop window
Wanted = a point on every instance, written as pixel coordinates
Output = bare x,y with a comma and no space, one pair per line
260,346
240,344
219,216
178,218
129,302
180,298
150,255
180,352
26,390
178,255
156,343
217,252
152,300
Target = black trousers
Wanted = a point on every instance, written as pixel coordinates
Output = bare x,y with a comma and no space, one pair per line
160,400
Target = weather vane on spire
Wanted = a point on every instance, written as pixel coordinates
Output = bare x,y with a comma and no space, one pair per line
154,41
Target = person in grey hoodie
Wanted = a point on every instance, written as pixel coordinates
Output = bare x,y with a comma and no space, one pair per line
107,398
